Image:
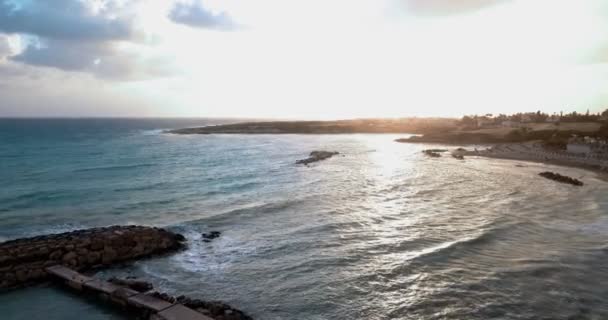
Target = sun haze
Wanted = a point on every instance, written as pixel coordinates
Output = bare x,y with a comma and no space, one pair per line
301,59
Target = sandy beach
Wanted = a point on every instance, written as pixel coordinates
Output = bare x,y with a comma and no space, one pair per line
533,151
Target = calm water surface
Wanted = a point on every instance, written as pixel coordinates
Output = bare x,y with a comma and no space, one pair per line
380,232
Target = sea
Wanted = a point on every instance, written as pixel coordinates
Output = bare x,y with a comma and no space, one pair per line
377,232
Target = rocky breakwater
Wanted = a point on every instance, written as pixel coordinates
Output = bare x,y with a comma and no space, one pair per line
23,261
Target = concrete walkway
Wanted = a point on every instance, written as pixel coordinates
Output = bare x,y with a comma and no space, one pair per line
157,309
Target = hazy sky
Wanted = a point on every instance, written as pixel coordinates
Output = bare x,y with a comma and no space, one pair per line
301,59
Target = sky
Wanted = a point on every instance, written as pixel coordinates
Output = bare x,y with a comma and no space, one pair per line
308,59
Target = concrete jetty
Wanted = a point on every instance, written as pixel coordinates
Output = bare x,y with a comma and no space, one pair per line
146,305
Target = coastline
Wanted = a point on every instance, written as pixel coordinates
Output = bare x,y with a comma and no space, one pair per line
531,152
405,126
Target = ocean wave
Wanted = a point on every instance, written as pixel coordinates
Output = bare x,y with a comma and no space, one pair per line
248,210
141,188
119,167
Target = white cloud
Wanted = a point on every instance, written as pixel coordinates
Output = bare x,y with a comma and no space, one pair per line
341,58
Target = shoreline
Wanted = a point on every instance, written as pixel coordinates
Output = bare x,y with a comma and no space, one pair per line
531,152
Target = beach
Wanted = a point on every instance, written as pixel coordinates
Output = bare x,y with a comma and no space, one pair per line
533,151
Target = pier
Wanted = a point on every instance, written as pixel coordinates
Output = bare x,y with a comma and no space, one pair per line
146,305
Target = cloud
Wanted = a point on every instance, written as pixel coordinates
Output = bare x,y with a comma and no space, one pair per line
446,7
102,59
82,36
66,19
197,16
5,48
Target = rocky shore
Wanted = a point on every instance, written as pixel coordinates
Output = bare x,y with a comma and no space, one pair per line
23,261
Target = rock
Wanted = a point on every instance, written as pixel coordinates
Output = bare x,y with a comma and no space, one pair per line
37,274
317,156
137,285
108,255
432,153
69,256
560,178
21,275
96,244
93,257
56,255
212,235
213,309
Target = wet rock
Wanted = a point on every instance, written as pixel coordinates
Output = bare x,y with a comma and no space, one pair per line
317,156
137,285
432,153
213,309
560,178
211,235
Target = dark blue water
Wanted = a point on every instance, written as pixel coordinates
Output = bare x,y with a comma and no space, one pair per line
380,232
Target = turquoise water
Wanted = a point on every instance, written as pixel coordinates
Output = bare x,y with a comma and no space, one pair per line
52,303
380,232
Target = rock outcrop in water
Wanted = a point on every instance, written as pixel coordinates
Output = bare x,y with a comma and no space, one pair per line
24,261
208,237
432,153
317,156
560,178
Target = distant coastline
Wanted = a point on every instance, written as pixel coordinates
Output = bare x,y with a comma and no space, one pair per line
407,125
544,142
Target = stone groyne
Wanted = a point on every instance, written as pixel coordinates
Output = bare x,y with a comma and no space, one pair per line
24,261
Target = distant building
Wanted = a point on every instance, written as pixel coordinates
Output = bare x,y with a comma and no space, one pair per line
527,118
553,119
484,122
511,124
